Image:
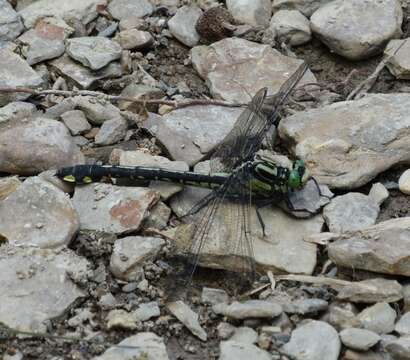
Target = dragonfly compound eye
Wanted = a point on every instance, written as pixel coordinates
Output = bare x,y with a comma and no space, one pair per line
70,178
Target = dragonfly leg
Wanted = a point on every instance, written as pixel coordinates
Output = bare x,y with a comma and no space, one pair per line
292,208
258,214
318,189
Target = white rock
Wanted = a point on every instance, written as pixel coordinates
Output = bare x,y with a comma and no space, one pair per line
404,182
244,334
403,325
232,350
378,193
120,319
182,25
378,318
291,26
359,339
252,12
147,311
306,7
76,122
397,54
135,39
121,9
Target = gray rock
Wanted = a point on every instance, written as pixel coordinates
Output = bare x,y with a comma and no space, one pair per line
84,10
38,46
248,309
29,147
233,78
372,291
140,91
214,296
244,334
182,25
379,318
135,39
365,355
37,286
399,349
93,52
130,253
381,248
16,72
38,214
97,111
306,7
349,143
188,139
252,12
404,182
359,339
147,311
225,330
131,22
188,317
349,212
304,342
232,350
406,297
112,131
305,306
114,209
341,26
16,111
76,122
403,325
8,185
120,319
291,27
397,54
342,316
81,76
121,9
144,344
11,25
378,193
55,26
158,217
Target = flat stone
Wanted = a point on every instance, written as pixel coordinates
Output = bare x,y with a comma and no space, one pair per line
38,214
371,291
82,77
378,193
253,67
291,27
11,25
16,72
305,306
188,317
347,144
120,319
15,111
121,9
142,345
83,10
31,146
135,39
397,53
359,339
147,311
182,25
130,253
403,325
94,52
312,341
404,182
112,131
37,285
252,12
399,349
306,7
248,309
381,248
140,91
244,334
214,296
379,318
113,209
188,139
341,26
8,185
230,350
76,122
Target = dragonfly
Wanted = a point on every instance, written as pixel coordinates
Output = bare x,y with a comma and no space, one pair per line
239,177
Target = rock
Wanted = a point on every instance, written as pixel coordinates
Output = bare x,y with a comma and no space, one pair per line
214,296
397,52
363,355
131,22
158,217
76,122
38,214
350,212
306,7
16,72
130,253
142,345
378,318
378,193
225,330
233,78
147,311
8,185
189,318
121,9
359,339
93,52
403,325
252,12
404,182
341,27
15,111
120,319
248,309
107,301
140,91
37,285
84,10
97,111
230,350
381,248
406,297
182,25
112,131
305,306
187,139
54,27
42,43
399,349
11,25
291,27
244,335
372,291
344,158
135,39
215,24
113,209
342,316
303,342
81,76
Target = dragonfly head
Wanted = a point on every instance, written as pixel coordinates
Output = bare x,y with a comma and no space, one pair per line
298,176
73,174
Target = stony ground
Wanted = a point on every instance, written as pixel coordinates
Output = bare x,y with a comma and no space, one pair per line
97,271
